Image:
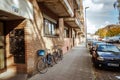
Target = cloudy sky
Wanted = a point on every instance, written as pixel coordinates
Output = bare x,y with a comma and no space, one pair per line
99,14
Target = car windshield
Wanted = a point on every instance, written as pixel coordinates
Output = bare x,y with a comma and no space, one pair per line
108,48
94,43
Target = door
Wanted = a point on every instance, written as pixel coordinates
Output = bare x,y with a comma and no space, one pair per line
17,47
2,48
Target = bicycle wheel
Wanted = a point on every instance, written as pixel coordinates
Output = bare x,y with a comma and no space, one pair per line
55,59
42,66
60,54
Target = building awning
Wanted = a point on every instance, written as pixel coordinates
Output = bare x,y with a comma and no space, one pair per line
17,7
6,16
60,7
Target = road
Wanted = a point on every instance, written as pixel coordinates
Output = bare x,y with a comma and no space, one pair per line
106,74
77,65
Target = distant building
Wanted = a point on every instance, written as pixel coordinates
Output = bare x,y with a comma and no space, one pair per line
92,36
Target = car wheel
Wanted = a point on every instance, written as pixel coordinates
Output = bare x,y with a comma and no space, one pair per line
96,65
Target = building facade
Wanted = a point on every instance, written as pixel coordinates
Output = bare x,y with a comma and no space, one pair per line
27,26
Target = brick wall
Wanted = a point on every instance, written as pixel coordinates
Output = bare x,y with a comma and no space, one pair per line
9,26
34,39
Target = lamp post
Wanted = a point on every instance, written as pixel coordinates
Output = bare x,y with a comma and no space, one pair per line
117,5
86,26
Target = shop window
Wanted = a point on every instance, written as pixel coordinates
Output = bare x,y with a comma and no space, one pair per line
50,28
17,45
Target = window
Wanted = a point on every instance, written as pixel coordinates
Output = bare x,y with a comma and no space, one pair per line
73,34
50,28
66,32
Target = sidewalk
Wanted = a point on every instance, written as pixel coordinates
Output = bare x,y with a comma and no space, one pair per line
14,77
76,65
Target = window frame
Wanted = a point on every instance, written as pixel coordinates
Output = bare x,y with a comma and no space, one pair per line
66,32
50,28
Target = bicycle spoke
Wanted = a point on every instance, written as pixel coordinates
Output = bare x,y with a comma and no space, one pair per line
42,67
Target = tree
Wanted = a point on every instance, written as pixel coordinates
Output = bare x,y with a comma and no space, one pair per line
108,31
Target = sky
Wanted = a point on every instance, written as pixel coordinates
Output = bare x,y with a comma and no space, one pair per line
99,14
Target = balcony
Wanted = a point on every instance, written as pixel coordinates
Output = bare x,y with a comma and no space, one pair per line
66,9
74,22
5,16
62,8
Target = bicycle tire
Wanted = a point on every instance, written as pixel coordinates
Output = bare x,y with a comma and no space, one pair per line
60,54
55,59
42,66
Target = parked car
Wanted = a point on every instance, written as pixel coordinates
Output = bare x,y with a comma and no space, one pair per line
116,39
107,55
93,44
106,39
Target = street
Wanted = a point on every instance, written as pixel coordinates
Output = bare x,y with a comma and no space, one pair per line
106,74
77,65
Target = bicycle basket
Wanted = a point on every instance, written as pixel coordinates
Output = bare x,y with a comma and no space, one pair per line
41,52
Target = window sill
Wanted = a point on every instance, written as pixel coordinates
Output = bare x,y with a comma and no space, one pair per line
52,36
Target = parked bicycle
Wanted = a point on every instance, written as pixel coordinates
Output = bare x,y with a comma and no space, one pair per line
44,61
47,59
60,54
57,53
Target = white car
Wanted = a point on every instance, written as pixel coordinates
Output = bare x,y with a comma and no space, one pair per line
116,39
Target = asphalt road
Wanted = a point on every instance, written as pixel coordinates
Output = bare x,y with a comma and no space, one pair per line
77,65
106,74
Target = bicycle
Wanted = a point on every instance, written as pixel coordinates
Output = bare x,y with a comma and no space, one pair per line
44,61
60,54
57,53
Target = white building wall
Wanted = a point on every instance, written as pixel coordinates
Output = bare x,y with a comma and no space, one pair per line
18,7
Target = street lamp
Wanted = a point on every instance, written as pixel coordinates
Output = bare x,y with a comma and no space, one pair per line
117,5
86,25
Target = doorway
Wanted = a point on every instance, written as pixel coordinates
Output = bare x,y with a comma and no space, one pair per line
17,47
